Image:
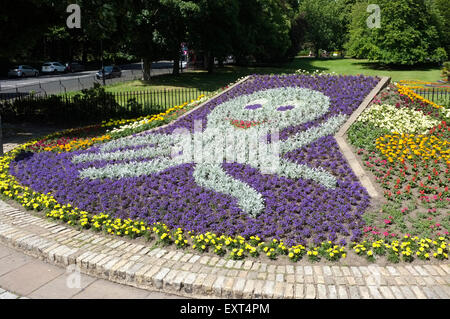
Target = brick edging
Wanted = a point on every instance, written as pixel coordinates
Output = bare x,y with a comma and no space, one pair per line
193,275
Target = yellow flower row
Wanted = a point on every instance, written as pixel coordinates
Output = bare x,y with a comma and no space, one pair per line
422,248
406,146
414,96
78,144
150,118
412,82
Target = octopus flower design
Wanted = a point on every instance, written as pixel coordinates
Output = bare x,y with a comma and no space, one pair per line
272,110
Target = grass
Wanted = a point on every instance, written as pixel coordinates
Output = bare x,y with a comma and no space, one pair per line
202,81
222,76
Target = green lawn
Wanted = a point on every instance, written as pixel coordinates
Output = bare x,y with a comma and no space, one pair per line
199,81
222,76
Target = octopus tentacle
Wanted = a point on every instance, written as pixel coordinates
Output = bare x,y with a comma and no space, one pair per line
212,176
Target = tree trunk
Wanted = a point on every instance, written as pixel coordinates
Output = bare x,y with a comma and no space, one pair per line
84,54
176,64
210,62
147,69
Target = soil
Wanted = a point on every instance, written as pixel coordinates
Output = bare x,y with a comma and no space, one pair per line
19,133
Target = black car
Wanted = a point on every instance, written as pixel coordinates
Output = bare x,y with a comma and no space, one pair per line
110,72
74,67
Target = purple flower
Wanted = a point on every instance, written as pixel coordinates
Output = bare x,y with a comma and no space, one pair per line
285,108
297,211
253,106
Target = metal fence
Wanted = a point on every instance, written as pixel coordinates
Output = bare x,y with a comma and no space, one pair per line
149,101
436,95
71,83
107,104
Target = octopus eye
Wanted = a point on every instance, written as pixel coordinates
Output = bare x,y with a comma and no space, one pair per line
285,108
253,106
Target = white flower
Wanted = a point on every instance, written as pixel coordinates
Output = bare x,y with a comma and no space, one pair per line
398,120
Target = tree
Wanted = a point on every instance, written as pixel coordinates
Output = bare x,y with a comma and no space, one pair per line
264,30
297,34
358,44
326,23
443,16
408,35
212,28
22,22
172,25
142,38
272,37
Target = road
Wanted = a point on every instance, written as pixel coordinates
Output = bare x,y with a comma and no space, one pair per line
54,84
8,84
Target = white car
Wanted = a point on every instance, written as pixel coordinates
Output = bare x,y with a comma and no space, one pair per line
53,67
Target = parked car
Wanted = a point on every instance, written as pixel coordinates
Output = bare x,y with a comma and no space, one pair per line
110,72
74,67
53,67
22,71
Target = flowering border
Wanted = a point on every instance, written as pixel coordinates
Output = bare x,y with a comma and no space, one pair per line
238,247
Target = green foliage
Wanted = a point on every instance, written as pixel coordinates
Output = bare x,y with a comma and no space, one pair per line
358,45
91,105
22,22
363,135
272,34
446,71
442,8
327,22
212,28
410,33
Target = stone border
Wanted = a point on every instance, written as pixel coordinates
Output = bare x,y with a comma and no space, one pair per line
192,275
345,148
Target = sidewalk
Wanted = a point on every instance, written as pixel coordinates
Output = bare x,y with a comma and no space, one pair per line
24,277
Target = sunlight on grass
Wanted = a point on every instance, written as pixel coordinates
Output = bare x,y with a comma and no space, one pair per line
221,77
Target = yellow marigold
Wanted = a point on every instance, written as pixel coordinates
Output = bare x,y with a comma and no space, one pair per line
414,96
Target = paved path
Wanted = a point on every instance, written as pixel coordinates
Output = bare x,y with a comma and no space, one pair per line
22,276
112,259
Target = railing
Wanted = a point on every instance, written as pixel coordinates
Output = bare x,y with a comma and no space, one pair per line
93,106
149,101
436,95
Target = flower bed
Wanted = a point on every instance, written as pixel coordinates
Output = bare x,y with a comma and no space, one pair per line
412,167
312,207
296,210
